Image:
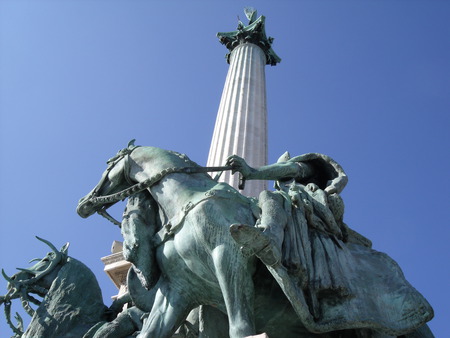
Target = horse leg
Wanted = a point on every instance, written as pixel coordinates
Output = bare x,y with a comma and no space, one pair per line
237,289
169,311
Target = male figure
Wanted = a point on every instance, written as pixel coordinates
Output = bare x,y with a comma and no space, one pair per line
312,183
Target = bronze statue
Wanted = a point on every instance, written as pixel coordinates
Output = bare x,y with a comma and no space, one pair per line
332,278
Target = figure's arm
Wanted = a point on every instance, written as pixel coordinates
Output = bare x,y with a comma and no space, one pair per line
118,303
276,171
337,185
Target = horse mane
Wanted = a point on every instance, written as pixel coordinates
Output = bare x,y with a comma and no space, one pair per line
72,305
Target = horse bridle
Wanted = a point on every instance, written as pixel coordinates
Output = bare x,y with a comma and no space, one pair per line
122,154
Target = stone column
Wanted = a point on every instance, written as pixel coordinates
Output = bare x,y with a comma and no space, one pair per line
241,124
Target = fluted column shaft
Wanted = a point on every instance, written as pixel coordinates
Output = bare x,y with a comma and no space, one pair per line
241,125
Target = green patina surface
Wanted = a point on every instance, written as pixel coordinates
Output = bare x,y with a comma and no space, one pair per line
322,278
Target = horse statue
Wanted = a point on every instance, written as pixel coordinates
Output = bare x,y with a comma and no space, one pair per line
199,262
71,304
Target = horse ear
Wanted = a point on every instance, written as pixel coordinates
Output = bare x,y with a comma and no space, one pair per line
131,143
65,248
284,158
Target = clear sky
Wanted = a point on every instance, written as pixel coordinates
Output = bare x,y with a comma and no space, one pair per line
365,82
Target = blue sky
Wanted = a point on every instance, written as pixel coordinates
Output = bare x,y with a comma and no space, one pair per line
365,82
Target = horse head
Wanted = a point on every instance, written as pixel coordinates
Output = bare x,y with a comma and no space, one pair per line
39,274
115,178
35,280
71,300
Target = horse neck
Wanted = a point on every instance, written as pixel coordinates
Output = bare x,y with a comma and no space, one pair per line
73,301
80,280
173,191
147,162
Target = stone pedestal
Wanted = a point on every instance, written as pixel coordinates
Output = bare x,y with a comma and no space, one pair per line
116,267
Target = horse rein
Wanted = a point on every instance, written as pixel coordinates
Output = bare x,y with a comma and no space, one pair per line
138,187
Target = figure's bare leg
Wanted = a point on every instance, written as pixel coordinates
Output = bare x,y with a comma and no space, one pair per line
267,244
273,216
169,311
237,289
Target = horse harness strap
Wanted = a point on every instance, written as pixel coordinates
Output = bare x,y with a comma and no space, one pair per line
103,211
176,223
122,154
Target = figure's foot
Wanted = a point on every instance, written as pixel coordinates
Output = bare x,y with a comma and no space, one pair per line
255,242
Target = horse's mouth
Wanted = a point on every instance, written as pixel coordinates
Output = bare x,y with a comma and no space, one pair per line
85,207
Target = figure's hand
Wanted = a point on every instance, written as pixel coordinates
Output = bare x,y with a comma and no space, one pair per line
115,307
238,164
312,187
331,189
